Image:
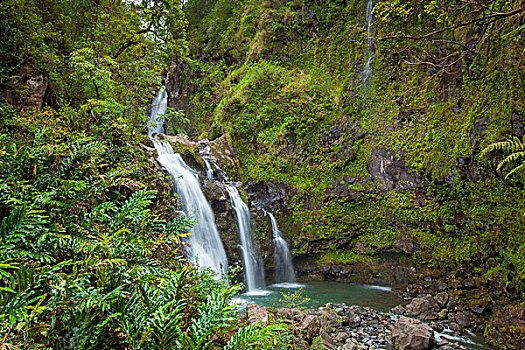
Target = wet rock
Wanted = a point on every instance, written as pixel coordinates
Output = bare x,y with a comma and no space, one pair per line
441,299
412,334
462,319
308,328
425,308
389,172
255,313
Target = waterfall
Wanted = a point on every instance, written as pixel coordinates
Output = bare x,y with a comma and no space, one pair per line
206,247
253,265
158,108
209,170
368,73
282,259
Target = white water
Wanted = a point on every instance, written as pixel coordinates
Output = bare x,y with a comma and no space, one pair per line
368,73
282,259
158,108
253,265
209,170
206,247
286,285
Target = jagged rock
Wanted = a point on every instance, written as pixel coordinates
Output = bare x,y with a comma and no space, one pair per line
181,139
308,328
285,314
255,313
29,92
400,310
425,308
341,337
462,319
349,346
301,344
441,299
390,172
412,334
443,314
175,82
327,341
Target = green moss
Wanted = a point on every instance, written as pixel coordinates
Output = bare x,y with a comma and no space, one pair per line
344,257
290,98
188,152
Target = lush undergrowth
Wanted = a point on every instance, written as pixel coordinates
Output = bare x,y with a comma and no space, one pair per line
91,251
88,262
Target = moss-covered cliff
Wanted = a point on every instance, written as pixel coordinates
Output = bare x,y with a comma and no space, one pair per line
392,167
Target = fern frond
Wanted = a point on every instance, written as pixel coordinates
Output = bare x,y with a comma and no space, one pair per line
516,169
512,145
253,336
136,207
512,157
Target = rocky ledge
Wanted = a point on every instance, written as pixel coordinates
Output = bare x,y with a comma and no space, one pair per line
341,327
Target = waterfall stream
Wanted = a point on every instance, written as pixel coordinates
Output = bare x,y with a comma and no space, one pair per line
253,265
368,73
283,266
206,247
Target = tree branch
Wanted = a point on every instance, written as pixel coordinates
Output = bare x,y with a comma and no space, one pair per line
492,16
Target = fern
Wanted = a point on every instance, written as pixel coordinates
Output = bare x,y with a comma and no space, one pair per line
135,208
515,147
215,314
20,233
253,336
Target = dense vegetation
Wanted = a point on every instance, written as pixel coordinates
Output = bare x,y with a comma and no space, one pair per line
90,254
372,168
90,246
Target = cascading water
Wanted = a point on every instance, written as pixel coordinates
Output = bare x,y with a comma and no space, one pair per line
253,265
206,247
282,259
368,73
158,108
209,170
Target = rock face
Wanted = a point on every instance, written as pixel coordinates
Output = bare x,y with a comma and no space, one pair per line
309,328
31,90
390,172
175,82
257,314
425,308
412,334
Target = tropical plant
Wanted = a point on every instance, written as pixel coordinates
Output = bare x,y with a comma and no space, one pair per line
515,148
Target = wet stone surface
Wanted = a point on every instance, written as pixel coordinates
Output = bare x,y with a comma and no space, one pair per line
337,326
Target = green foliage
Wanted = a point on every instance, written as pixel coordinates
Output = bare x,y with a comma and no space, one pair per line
515,147
82,268
506,328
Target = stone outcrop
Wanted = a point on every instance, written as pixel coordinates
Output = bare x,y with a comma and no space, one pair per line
257,314
391,173
30,92
412,334
341,327
425,308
